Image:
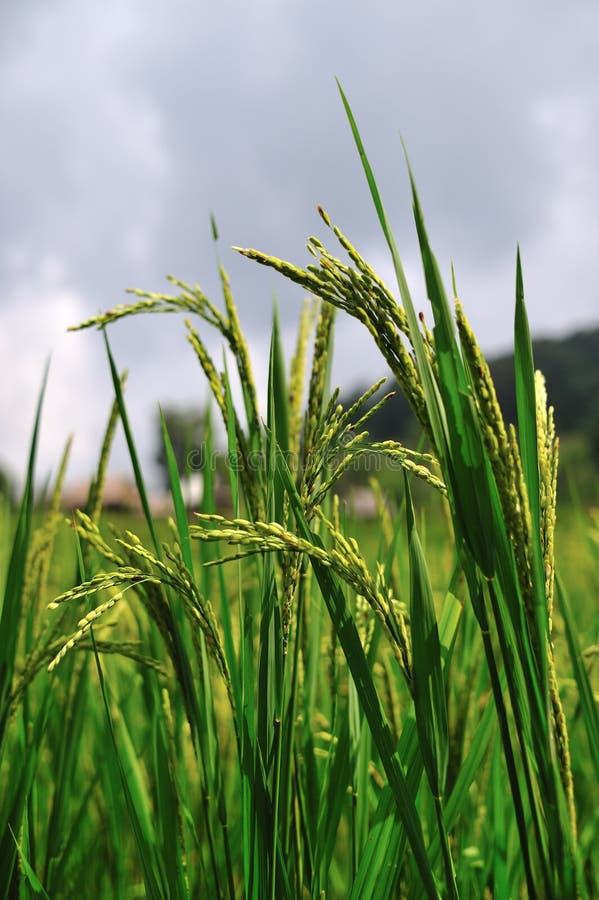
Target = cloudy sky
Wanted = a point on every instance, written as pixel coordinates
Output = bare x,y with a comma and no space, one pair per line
123,124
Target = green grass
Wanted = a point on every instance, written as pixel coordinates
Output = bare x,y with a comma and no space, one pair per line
284,702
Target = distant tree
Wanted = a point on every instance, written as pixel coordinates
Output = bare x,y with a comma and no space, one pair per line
570,366
7,488
592,431
186,431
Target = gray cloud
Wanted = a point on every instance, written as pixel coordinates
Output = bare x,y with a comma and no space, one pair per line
125,124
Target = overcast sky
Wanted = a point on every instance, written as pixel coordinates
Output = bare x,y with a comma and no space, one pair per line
123,124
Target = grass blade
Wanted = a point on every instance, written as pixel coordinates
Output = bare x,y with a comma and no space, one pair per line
587,700
527,432
177,495
139,481
354,653
11,606
429,688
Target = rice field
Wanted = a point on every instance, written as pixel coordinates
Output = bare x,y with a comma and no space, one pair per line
286,702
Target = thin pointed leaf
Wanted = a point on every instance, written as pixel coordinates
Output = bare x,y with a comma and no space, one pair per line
371,704
177,495
587,700
429,689
139,481
11,602
527,432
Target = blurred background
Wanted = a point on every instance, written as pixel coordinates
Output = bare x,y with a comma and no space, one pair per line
124,124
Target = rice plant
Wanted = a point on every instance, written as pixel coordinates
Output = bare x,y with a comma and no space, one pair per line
255,705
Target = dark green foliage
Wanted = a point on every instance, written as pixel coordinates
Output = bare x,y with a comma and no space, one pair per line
7,488
185,428
570,366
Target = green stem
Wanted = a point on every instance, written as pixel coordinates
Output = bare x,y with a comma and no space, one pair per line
450,879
